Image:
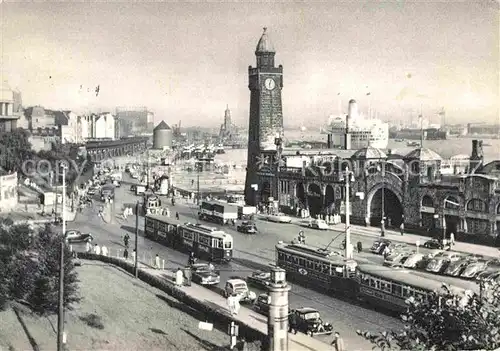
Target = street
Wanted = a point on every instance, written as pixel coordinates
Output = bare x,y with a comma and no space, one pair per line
345,317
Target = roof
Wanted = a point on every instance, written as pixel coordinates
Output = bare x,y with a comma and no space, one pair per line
162,126
264,44
318,152
423,154
306,310
369,153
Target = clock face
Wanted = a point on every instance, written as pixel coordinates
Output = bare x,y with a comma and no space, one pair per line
269,84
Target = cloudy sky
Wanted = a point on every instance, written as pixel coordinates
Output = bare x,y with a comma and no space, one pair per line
186,61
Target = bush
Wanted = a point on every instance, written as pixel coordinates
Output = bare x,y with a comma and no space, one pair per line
93,321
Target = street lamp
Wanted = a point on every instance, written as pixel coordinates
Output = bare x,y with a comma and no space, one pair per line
277,320
278,141
64,167
348,178
382,220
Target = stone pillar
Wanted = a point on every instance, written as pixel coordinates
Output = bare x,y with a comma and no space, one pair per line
1,109
277,321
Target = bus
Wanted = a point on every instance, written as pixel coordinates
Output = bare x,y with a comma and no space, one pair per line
206,242
317,268
389,288
218,212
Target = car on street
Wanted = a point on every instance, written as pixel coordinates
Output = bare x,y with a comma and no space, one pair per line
203,275
440,262
481,265
240,288
413,260
262,304
247,227
75,236
435,244
397,259
488,275
318,224
379,246
422,264
456,268
279,218
259,279
308,321
92,190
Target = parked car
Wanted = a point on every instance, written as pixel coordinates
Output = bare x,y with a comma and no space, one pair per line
457,267
308,321
435,244
397,259
440,262
473,269
259,279
279,218
318,224
379,245
75,236
203,275
413,260
428,258
247,227
262,304
240,288
92,190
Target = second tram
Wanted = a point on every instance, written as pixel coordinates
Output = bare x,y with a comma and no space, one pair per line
206,242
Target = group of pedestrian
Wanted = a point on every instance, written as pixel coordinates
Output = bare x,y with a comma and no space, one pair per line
98,250
127,211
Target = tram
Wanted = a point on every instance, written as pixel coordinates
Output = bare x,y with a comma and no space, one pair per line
317,268
206,242
389,288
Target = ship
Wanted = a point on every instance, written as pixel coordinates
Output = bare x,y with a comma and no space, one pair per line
363,132
417,134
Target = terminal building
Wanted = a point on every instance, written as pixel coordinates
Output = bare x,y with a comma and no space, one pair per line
414,186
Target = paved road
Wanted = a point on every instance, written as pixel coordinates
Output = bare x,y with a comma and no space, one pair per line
344,316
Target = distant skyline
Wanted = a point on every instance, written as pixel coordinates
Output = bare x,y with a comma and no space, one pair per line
186,61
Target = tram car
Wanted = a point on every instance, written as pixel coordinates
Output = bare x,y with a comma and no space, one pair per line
317,268
206,242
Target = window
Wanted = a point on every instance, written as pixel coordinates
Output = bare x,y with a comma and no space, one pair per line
228,244
204,240
476,205
188,235
385,286
396,289
451,203
427,201
373,283
281,255
302,262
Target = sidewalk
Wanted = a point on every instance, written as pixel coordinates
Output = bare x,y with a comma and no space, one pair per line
410,239
297,342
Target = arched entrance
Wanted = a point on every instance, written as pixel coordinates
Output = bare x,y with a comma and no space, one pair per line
329,200
301,195
427,213
391,206
265,192
315,200
452,220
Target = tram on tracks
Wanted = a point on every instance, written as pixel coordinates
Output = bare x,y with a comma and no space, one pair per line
206,242
382,287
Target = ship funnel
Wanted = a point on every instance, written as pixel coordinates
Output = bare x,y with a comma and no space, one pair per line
353,111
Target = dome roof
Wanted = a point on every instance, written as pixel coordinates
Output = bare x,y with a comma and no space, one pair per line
264,44
369,152
423,154
162,126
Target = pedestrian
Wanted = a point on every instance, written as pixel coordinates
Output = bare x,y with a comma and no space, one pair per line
192,259
177,215
187,275
382,228
452,240
125,213
179,277
386,252
125,254
211,267
104,250
236,304
157,262
88,247
292,323
338,342
134,256
97,249
359,246
126,239
402,228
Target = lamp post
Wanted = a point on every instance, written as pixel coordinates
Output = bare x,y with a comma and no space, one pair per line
278,141
277,320
349,177
64,167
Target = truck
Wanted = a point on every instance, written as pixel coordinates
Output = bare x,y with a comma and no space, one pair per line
218,211
246,212
107,191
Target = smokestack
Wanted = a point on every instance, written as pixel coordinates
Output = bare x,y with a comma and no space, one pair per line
353,111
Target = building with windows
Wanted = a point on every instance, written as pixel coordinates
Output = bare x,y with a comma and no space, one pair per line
9,108
8,191
134,120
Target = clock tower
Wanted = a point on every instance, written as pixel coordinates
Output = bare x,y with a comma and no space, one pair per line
265,82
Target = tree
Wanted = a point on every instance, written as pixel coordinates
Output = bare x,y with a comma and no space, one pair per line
447,321
16,148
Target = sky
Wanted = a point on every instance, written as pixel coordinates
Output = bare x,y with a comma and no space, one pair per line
186,61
